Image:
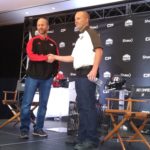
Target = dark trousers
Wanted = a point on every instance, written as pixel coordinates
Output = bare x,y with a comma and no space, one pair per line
86,104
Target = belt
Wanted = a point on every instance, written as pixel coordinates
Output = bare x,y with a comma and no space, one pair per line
84,68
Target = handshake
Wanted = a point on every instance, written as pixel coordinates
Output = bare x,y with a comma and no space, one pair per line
51,58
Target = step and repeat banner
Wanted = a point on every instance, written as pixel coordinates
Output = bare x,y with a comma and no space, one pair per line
126,43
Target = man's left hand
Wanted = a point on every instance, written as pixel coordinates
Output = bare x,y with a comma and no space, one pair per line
92,75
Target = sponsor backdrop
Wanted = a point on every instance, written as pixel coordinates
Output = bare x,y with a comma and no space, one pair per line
126,43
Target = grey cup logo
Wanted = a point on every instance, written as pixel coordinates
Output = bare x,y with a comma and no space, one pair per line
109,42
128,23
146,75
110,25
63,30
62,44
147,39
126,58
106,74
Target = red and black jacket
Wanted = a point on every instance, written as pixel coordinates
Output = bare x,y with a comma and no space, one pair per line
37,50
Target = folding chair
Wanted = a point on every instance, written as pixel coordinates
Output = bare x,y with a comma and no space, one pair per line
11,99
128,115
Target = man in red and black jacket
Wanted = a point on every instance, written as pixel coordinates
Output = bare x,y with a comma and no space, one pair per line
40,73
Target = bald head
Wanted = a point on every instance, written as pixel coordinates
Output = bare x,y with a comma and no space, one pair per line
84,14
42,26
81,20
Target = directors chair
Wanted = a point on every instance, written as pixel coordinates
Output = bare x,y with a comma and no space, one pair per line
128,116
13,101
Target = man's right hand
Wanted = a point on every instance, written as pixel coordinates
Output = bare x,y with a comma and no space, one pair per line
51,58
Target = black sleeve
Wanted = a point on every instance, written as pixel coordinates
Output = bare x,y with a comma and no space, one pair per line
95,38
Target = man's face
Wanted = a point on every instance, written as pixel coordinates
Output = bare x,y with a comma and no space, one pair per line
80,20
42,26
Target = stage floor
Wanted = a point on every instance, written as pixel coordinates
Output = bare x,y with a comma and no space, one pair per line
9,140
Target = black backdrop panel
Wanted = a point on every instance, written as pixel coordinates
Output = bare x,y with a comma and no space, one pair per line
126,43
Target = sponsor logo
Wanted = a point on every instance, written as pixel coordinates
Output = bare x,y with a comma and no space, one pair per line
105,91
36,32
127,40
128,23
146,90
108,58
63,30
127,75
62,44
51,31
126,58
109,42
73,44
72,74
51,44
145,57
147,21
94,27
76,29
106,74
109,25
147,39
146,75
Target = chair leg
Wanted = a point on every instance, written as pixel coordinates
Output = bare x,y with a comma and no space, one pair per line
110,134
10,120
140,128
139,133
118,134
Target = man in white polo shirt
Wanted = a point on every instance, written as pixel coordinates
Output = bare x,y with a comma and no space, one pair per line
86,57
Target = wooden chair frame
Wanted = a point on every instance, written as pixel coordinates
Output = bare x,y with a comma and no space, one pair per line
128,116
14,107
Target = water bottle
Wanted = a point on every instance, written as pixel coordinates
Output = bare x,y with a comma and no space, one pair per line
97,81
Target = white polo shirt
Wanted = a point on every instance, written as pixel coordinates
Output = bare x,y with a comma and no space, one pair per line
84,50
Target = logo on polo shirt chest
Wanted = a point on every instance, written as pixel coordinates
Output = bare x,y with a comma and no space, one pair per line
51,44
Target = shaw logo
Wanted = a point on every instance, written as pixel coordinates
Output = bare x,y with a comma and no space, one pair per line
109,25
147,21
147,39
126,58
108,58
94,27
62,44
63,30
127,40
144,57
106,74
51,31
128,23
127,75
146,75
109,42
